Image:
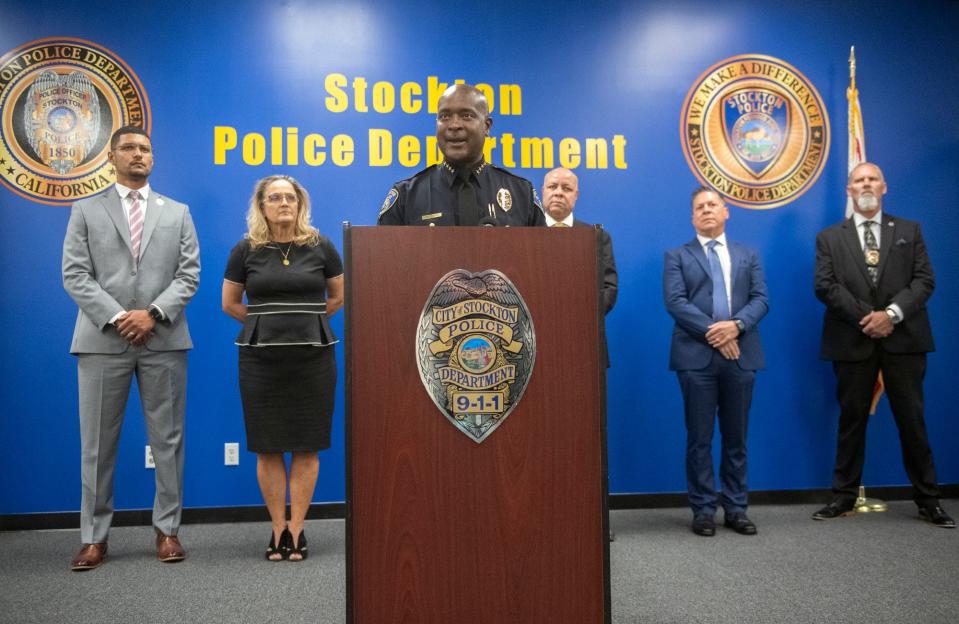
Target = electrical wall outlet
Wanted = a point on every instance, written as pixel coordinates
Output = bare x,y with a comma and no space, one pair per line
231,454
148,457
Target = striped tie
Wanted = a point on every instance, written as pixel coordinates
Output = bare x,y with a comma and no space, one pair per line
136,224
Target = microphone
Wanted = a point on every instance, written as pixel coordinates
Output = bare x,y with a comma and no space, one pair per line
490,219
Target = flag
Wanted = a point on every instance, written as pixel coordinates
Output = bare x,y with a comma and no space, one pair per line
857,155
857,142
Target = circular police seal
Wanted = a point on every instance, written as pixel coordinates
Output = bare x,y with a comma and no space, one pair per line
476,353
756,130
60,100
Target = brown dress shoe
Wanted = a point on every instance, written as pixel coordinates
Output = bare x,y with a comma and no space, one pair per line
89,557
169,549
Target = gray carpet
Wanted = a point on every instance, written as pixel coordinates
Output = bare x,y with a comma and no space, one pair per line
875,568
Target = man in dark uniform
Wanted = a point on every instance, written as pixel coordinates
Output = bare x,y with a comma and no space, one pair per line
464,189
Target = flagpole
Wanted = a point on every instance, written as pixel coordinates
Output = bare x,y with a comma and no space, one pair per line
857,155
852,67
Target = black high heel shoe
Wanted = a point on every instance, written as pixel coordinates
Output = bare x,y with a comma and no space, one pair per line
282,549
298,547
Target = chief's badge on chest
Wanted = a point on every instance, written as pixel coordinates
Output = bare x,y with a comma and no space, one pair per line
504,199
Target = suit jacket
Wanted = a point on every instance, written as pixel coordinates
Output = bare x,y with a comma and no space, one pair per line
610,279
688,292
102,277
843,284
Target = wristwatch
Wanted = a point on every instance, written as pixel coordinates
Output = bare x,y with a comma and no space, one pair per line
740,326
155,314
892,316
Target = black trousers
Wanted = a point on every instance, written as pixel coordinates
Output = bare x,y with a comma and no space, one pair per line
903,375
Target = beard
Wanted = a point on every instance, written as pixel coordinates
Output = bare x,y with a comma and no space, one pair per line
867,203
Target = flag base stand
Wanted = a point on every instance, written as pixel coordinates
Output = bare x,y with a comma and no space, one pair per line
866,505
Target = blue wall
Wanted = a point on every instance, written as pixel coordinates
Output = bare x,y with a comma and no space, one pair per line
597,71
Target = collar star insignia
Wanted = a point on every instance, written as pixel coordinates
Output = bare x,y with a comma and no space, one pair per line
476,171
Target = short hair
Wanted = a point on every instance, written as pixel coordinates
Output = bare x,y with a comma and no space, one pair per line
472,90
258,230
705,189
882,175
127,130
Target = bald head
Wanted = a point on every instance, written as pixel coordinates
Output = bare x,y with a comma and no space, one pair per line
866,186
560,192
462,124
467,91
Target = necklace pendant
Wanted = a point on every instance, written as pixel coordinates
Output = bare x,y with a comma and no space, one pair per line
286,262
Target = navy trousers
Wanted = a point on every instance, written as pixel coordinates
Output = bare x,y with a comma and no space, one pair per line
722,390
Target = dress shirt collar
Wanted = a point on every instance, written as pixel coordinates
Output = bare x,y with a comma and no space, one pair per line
125,190
550,221
858,219
721,239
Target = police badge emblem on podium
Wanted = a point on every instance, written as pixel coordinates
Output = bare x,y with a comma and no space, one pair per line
475,349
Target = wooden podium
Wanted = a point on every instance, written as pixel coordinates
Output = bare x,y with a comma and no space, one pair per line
442,529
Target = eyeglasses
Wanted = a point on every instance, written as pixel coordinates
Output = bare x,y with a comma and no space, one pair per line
275,198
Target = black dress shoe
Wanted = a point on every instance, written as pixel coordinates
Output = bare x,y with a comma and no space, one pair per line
704,525
740,523
938,516
835,509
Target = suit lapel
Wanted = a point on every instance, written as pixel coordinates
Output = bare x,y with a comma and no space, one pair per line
114,209
697,252
735,259
851,238
885,242
154,206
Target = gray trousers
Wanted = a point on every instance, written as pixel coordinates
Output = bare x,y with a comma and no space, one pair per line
104,385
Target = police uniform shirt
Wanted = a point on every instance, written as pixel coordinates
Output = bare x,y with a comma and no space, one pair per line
430,198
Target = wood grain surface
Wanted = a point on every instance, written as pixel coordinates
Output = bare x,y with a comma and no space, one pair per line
440,528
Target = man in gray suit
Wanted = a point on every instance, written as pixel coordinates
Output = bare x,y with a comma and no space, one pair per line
131,262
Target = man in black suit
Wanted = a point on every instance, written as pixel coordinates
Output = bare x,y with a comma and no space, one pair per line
874,275
560,192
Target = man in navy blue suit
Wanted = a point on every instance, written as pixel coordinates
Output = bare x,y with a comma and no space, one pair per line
715,291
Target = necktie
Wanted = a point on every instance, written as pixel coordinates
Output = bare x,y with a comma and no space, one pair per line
720,303
559,224
871,251
468,210
136,224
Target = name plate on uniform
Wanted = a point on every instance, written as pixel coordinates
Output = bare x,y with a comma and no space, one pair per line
475,349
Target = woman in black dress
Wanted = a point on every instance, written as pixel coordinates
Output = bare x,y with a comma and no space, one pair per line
293,280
